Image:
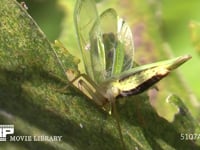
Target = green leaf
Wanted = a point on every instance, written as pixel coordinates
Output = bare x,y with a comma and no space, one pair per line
31,98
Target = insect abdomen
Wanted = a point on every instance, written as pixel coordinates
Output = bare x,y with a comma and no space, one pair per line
139,82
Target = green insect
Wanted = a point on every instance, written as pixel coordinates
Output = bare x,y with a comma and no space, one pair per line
107,49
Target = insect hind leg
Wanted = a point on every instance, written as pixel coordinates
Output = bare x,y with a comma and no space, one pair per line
88,87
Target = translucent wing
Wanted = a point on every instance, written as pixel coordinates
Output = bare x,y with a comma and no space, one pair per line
103,42
85,15
111,46
125,38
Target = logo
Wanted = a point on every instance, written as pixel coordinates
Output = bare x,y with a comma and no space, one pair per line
6,130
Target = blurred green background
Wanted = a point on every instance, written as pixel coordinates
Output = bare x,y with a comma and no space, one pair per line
165,22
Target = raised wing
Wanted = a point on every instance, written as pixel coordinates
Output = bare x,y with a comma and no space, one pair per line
125,38
106,42
112,46
103,43
85,15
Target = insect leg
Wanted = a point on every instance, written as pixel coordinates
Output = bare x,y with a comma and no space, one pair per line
97,97
86,86
116,116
